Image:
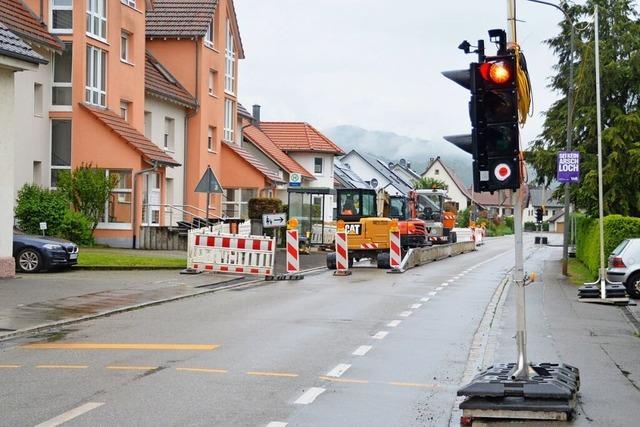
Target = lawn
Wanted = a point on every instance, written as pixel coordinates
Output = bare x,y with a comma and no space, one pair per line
578,272
102,257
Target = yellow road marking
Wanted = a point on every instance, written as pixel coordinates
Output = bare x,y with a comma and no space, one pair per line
399,384
344,380
62,366
207,370
119,346
132,368
10,366
272,374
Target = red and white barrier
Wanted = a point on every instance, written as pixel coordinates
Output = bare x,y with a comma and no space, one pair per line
342,253
230,253
395,249
293,252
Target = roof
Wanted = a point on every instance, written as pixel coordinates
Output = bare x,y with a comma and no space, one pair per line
270,149
455,178
406,169
498,198
13,46
179,18
149,151
18,18
540,196
253,161
160,82
557,216
346,177
299,136
244,112
383,170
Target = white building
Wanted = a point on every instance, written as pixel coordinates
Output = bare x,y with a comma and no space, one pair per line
456,189
376,173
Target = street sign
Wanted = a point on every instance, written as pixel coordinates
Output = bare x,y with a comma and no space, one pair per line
295,180
568,167
208,183
274,220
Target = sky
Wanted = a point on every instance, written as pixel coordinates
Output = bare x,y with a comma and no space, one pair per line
376,64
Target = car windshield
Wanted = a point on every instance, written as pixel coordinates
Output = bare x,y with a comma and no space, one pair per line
618,250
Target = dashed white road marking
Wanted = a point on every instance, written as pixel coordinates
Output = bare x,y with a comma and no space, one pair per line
394,323
458,276
406,313
432,293
451,280
310,395
380,335
362,350
425,299
338,370
444,284
69,415
414,306
276,424
439,288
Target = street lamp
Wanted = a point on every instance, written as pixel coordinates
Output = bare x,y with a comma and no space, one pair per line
567,202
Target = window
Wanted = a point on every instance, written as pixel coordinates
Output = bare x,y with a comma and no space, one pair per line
117,210
97,19
169,134
124,110
209,38
317,165
151,199
147,124
130,3
213,78
37,99
437,171
37,172
124,46
211,139
61,89
228,120
61,18
230,62
95,91
60,148
235,202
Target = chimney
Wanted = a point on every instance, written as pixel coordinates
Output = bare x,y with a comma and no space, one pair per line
256,115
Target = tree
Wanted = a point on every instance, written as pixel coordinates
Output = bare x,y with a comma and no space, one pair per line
87,189
429,183
35,205
620,97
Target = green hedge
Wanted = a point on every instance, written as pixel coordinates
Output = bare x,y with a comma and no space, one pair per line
616,229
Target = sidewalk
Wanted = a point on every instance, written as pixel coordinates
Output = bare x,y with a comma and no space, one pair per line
598,339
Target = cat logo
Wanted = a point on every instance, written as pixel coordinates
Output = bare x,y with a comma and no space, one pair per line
352,228
428,230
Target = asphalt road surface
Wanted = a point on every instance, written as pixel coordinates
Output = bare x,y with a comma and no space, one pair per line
370,349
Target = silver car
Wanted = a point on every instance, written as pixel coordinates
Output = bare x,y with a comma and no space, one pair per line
624,266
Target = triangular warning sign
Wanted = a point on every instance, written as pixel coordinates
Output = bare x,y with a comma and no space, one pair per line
208,183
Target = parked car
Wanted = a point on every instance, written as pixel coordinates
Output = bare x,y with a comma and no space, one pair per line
624,266
38,253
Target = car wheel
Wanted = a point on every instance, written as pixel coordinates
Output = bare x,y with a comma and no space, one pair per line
633,285
29,261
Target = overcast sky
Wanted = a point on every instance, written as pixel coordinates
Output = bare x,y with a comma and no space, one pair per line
376,63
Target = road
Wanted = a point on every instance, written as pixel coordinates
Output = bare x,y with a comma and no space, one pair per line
370,349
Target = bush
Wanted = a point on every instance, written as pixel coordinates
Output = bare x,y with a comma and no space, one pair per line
77,228
529,226
36,204
463,218
508,221
260,206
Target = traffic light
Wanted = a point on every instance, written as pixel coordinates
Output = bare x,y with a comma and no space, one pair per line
493,109
539,214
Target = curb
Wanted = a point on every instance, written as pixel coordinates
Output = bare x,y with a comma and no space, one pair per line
123,267
21,332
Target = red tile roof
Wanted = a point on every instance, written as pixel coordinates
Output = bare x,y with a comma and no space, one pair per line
149,151
499,198
298,136
18,18
269,148
253,161
179,18
160,82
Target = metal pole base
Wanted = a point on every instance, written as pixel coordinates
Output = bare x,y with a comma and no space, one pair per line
342,273
190,271
603,291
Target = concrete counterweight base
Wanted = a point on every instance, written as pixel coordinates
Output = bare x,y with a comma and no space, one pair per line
7,267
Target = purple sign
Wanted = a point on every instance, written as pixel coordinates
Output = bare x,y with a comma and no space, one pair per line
568,167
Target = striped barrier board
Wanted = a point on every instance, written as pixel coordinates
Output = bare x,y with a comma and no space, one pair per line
230,253
342,254
293,252
395,250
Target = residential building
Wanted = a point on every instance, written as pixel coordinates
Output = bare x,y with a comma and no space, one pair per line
375,173
456,189
540,197
403,170
496,205
199,43
346,178
15,56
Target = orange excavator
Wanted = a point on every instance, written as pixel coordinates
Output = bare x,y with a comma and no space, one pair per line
438,213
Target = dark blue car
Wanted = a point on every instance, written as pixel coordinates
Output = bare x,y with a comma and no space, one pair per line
37,253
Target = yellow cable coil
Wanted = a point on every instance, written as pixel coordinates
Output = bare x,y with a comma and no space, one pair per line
524,89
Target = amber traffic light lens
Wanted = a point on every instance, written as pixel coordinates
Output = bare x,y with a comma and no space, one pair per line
499,73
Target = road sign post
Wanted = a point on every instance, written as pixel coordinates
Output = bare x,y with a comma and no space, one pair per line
208,184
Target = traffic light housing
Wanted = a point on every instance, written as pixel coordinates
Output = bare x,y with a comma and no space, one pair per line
494,142
539,215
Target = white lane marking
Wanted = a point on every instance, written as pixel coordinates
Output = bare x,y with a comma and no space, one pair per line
276,424
451,280
444,284
414,306
394,323
425,299
309,396
338,370
380,335
458,276
406,313
362,350
69,415
432,293
439,288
